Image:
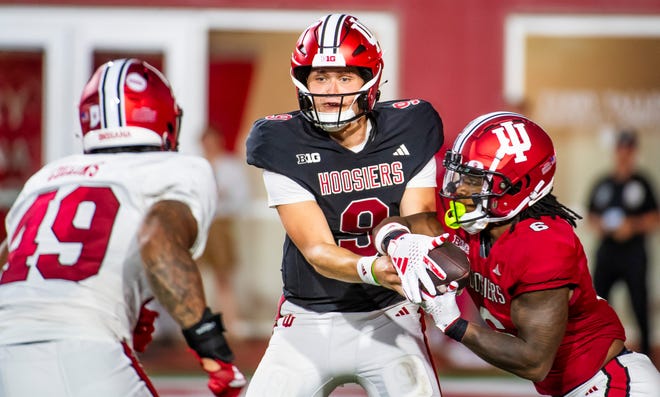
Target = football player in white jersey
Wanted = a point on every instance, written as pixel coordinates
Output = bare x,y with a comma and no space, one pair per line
93,237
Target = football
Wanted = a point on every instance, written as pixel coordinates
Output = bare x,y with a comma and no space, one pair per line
450,258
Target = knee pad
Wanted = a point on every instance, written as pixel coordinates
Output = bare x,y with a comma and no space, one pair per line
408,377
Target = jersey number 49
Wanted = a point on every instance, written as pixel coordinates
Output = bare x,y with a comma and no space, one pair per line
83,219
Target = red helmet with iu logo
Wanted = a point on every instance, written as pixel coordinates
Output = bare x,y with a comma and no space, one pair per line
508,158
337,40
128,103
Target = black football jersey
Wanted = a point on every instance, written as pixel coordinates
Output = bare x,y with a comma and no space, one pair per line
615,199
355,190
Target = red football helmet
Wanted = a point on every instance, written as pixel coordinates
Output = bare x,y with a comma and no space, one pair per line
337,40
128,103
510,157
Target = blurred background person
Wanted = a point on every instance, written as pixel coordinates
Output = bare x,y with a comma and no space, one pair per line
221,253
623,211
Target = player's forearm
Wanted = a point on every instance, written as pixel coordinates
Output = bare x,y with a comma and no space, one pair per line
176,283
540,319
166,235
421,223
335,262
507,352
425,223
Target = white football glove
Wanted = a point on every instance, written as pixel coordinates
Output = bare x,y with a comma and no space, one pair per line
409,253
443,308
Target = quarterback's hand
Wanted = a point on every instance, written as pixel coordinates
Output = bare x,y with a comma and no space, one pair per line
144,329
409,253
225,380
443,308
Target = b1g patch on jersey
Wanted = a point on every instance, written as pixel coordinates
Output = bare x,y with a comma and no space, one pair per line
278,117
405,104
308,158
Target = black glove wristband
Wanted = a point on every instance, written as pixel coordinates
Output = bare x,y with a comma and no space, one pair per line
391,236
206,338
456,331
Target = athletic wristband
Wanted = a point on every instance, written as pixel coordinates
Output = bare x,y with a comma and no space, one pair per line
206,338
456,331
388,233
365,269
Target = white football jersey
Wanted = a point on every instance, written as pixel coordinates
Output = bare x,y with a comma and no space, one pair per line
74,268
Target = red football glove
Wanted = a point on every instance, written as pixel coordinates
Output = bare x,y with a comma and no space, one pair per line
144,329
226,381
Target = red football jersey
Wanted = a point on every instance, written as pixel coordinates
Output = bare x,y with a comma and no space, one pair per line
538,255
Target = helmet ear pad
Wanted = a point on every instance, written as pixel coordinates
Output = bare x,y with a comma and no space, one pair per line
363,100
301,73
364,103
497,206
305,102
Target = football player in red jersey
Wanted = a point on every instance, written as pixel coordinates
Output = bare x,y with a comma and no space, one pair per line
92,237
530,279
333,170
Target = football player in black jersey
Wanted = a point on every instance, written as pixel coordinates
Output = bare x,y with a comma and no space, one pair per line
333,170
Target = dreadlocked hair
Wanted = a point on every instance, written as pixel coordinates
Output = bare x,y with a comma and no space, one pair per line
548,206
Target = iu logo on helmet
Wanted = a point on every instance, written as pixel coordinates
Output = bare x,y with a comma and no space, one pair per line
513,140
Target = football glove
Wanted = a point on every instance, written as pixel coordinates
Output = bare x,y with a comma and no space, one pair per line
445,312
207,342
226,381
387,233
144,329
409,253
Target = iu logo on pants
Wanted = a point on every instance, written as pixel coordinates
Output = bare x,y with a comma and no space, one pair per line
287,320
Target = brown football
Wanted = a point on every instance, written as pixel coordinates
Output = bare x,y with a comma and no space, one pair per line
453,261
